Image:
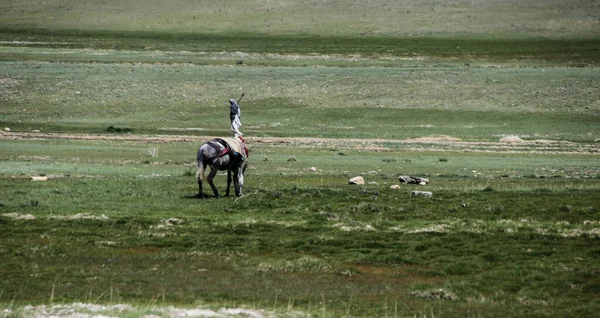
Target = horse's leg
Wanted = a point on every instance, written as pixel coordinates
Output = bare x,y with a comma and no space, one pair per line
228,182
210,179
200,193
200,177
238,180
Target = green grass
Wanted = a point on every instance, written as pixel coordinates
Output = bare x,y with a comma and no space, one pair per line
490,234
510,230
285,244
506,32
204,48
473,104
431,18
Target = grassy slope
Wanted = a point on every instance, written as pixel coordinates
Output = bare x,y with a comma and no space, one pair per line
431,18
509,235
557,32
469,103
284,245
328,101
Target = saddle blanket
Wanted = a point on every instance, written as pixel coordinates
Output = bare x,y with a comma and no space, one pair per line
236,145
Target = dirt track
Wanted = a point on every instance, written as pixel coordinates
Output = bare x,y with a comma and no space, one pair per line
436,143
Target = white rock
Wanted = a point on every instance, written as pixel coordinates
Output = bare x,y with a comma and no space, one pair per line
512,139
357,180
6,129
395,187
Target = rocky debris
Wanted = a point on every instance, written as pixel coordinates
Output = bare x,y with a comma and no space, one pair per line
38,178
437,294
349,228
422,193
357,180
81,216
173,221
97,310
395,187
19,216
413,180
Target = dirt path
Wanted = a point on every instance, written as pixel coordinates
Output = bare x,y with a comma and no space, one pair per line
435,143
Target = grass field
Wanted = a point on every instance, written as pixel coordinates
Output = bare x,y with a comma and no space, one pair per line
429,18
473,104
111,100
111,218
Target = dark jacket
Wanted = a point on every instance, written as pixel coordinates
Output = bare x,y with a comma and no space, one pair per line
234,109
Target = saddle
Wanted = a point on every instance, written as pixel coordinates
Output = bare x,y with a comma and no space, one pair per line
236,146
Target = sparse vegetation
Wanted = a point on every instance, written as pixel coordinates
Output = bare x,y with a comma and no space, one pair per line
296,228
497,106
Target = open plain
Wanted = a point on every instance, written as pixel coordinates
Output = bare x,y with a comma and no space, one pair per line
103,105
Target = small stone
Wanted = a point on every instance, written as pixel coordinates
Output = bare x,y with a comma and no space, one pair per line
357,180
422,193
413,180
512,139
173,221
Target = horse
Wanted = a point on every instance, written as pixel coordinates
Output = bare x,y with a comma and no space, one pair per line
222,154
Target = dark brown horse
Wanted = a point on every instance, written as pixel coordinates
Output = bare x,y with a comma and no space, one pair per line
218,154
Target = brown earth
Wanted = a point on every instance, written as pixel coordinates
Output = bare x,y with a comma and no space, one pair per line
430,143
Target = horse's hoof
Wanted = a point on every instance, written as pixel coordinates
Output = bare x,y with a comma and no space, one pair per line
199,196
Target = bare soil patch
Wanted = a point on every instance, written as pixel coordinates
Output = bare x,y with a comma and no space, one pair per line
95,310
513,144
